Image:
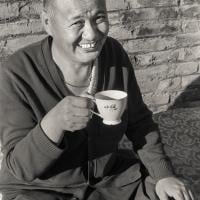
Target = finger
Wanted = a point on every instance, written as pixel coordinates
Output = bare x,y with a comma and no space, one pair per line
70,121
179,196
162,196
82,112
186,194
79,119
77,126
191,194
81,102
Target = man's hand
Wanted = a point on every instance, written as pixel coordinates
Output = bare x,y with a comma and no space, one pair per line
72,113
173,187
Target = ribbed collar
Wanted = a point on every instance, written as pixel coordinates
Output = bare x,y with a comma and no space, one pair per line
54,72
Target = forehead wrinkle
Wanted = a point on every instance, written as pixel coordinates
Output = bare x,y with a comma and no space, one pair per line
86,14
79,8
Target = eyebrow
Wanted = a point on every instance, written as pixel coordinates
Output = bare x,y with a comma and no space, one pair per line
78,16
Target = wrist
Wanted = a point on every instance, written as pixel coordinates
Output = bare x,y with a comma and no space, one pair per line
54,133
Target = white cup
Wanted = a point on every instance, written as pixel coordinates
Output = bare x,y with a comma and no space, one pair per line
111,105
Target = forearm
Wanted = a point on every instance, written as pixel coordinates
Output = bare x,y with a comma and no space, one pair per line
154,158
52,130
32,155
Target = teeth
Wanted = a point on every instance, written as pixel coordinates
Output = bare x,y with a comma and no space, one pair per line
87,46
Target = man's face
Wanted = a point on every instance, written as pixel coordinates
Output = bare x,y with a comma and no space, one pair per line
79,28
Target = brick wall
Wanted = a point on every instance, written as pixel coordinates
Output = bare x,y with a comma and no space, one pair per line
162,38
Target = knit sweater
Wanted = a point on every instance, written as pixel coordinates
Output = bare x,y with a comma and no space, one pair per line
30,86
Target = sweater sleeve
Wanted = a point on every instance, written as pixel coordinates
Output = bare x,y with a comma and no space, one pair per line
144,132
27,150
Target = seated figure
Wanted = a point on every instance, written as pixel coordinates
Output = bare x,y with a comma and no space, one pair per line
53,147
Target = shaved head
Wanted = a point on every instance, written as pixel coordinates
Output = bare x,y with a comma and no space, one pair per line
48,3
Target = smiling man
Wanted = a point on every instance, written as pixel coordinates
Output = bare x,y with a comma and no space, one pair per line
53,148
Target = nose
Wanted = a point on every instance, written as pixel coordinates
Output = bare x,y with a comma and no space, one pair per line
90,32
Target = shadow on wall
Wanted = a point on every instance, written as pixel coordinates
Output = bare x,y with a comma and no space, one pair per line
189,97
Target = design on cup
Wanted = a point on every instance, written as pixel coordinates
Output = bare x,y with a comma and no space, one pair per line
111,105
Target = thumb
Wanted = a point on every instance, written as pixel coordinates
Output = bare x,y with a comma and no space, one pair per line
162,196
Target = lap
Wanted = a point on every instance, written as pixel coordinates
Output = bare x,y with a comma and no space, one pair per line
129,184
37,195
137,190
134,191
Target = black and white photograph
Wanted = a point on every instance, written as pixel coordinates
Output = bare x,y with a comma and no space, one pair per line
99,100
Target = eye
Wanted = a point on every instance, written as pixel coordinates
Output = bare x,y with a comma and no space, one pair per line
101,18
79,23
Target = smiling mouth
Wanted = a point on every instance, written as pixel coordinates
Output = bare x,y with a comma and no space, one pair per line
92,45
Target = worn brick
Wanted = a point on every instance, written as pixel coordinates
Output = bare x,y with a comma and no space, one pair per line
36,8
149,13
156,3
185,40
190,2
120,33
31,8
150,44
114,18
147,86
172,69
116,5
24,9
15,44
130,4
155,58
2,44
169,85
20,27
190,53
186,68
9,10
153,28
145,29
3,53
190,26
152,73
191,11
35,26
13,28
156,99
130,30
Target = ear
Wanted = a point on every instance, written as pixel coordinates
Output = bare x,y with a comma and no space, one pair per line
45,18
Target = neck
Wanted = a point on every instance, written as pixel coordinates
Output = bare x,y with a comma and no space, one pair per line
74,73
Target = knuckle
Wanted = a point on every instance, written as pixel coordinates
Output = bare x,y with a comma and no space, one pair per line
86,119
83,104
82,125
179,193
72,127
67,116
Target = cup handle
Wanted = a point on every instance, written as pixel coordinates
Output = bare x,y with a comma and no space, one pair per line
95,113
89,96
